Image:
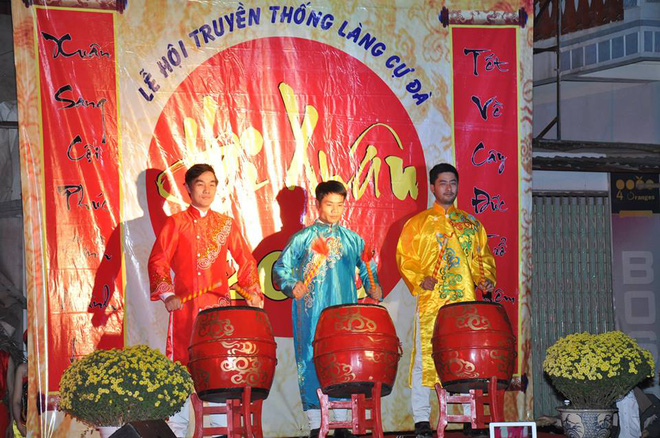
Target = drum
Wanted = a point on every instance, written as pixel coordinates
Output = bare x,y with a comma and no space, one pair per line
355,346
232,348
473,341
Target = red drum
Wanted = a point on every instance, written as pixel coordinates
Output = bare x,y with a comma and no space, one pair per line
232,348
473,341
355,346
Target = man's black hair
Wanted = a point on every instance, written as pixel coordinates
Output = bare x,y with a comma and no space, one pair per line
197,170
327,187
441,168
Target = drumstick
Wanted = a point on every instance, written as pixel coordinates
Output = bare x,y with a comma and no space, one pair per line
320,247
242,292
436,270
480,261
196,294
367,255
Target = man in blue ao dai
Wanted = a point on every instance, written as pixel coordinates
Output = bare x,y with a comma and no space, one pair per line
316,281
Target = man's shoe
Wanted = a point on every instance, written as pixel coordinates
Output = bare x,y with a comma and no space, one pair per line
423,430
344,433
314,433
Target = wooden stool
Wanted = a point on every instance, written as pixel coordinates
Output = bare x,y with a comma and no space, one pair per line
358,404
477,399
243,417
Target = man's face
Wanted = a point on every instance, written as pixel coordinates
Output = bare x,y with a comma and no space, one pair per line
202,190
331,208
445,189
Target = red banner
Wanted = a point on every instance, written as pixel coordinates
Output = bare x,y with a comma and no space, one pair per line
81,168
485,96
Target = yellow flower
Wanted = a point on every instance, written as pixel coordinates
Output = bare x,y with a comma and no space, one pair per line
120,378
590,368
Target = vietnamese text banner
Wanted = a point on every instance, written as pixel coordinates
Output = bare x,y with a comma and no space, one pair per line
486,141
81,184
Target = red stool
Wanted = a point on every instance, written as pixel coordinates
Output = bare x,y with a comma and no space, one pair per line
477,399
243,417
358,404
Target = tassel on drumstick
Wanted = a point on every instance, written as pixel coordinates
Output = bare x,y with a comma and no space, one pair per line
367,256
321,250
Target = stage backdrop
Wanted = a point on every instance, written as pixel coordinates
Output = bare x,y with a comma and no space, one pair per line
117,99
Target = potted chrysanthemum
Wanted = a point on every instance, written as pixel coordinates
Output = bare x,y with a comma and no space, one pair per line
115,387
593,372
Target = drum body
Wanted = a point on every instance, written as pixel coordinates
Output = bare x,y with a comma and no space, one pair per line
232,348
473,341
355,346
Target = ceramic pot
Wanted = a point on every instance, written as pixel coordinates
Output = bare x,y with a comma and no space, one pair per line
587,423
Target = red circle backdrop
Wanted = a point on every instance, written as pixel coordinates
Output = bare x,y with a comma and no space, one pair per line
213,115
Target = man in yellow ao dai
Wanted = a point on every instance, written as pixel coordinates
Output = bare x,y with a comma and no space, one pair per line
442,255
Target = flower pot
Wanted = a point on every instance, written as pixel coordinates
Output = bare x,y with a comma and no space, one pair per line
587,423
107,431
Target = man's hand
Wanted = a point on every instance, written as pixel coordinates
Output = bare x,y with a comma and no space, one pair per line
173,303
486,285
376,293
256,300
299,290
428,283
